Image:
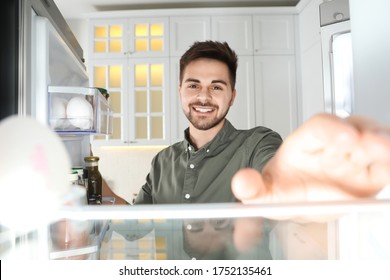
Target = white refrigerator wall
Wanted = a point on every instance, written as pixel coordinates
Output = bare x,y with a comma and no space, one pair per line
370,26
54,64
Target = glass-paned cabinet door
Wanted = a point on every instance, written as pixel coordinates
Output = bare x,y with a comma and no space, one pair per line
109,38
148,37
110,75
148,100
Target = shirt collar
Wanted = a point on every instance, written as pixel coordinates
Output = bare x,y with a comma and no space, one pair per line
221,137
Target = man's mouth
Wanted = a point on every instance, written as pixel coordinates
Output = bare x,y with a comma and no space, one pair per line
203,110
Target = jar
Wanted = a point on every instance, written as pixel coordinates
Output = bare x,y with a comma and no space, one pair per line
93,180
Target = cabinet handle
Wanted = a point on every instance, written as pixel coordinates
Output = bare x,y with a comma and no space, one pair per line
129,142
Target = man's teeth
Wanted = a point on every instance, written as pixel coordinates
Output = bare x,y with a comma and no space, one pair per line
203,110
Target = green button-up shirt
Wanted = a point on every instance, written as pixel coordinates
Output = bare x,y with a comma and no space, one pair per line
181,174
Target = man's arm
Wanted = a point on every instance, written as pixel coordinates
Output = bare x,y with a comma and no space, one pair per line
107,192
327,158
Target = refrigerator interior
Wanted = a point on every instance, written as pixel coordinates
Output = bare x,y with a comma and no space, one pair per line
54,64
343,230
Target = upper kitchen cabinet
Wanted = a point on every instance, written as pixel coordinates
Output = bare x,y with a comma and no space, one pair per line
120,38
273,34
276,93
184,31
235,30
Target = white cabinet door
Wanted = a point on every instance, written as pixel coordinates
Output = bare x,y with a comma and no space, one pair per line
242,113
108,38
184,31
276,93
273,34
235,30
148,37
179,121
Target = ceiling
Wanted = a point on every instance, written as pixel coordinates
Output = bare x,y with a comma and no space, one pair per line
73,9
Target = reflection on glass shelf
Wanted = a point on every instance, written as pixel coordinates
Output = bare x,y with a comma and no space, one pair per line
320,231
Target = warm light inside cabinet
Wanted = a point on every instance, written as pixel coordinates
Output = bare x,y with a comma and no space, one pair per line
156,75
115,46
100,76
141,30
117,128
100,32
157,127
141,101
156,44
100,46
141,45
156,29
115,101
149,37
115,76
116,31
141,75
141,125
156,101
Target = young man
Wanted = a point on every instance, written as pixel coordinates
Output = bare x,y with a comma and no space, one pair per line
327,158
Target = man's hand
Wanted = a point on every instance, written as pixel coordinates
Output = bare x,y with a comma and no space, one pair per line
327,158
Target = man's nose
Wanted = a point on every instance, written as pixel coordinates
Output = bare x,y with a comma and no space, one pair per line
204,94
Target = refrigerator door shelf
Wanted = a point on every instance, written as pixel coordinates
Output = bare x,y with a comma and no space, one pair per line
79,110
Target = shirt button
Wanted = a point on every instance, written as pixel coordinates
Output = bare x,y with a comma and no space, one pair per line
189,227
189,148
187,196
207,150
192,166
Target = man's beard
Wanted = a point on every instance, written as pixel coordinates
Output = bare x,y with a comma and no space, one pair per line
204,123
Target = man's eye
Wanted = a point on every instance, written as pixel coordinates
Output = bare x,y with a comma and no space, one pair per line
193,86
216,88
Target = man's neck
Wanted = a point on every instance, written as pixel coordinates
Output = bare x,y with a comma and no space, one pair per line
200,138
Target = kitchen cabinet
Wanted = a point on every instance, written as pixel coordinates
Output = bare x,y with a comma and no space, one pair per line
236,31
273,34
130,59
184,31
265,44
276,93
122,38
138,97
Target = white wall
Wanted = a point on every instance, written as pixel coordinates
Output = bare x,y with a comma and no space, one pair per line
370,30
125,169
311,62
79,28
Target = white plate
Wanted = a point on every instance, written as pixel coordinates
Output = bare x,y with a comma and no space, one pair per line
34,168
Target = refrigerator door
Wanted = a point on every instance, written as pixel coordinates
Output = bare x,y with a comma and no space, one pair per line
54,65
337,69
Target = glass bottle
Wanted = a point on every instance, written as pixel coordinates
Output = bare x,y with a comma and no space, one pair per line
94,180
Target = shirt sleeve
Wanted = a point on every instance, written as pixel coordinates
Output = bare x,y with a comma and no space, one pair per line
263,149
145,194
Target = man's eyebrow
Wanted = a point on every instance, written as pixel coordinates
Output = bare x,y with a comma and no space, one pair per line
219,81
189,80
192,80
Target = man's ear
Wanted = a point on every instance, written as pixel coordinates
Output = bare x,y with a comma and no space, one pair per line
233,97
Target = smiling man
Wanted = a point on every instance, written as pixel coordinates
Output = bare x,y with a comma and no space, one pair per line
326,158
200,168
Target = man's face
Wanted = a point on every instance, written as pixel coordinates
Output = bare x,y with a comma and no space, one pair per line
206,93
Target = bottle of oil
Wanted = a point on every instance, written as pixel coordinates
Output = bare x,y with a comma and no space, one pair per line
93,180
